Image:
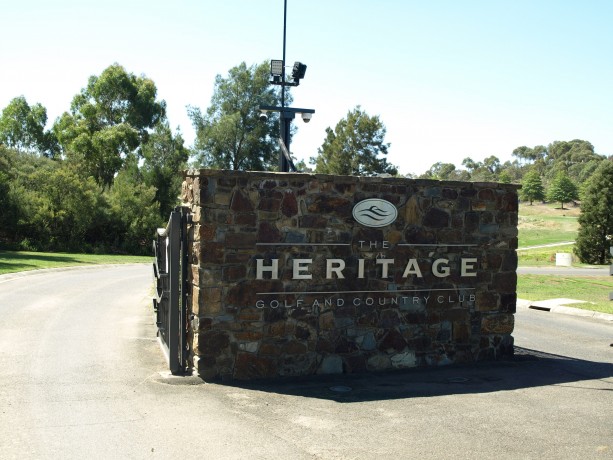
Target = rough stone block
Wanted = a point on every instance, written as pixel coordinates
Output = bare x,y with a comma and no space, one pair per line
331,364
505,282
213,342
404,360
240,240
379,362
497,324
249,366
241,203
211,299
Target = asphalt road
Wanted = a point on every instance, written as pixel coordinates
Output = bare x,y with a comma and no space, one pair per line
83,377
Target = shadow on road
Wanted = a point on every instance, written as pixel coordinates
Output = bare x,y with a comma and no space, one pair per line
527,369
22,262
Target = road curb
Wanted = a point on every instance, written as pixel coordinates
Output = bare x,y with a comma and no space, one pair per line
523,304
40,271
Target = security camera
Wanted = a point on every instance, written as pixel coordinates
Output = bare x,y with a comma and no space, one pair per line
263,116
306,117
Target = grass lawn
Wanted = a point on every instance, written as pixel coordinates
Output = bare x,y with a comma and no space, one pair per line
541,224
592,289
545,224
18,261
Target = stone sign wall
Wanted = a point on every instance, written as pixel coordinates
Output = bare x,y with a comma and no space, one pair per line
297,274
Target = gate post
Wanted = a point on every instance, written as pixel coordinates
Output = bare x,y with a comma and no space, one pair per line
170,271
174,271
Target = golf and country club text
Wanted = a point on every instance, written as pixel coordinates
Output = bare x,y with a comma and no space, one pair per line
336,268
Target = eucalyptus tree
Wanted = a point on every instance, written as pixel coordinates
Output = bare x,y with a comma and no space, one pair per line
108,121
22,127
576,158
445,171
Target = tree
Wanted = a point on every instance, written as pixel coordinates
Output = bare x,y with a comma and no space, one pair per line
66,206
569,152
531,155
562,189
51,206
164,158
231,135
505,177
8,208
133,213
511,172
532,187
483,171
440,170
22,127
522,153
470,164
576,158
492,164
445,171
354,147
108,121
596,220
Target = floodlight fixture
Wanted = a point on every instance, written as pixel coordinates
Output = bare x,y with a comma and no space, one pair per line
298,71
276,67
277,71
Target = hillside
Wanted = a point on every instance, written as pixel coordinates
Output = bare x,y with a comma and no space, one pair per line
545,224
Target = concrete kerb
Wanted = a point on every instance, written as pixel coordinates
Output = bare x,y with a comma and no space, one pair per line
40,271
559,306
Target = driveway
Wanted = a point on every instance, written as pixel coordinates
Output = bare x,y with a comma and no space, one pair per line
83,377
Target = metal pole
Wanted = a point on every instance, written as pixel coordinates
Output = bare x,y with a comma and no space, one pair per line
283,70
282,161
284,125
285,118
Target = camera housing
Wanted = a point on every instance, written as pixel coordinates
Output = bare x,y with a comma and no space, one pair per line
306,117
263,116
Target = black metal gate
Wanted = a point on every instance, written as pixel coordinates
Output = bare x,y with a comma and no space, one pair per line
169,302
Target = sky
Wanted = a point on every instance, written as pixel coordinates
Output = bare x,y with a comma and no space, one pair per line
449,79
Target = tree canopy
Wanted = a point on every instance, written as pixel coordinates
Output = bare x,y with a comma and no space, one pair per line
22,127
109,120
104,183
355,147
445,171
230,135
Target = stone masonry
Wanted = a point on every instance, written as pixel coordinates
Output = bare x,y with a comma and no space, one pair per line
435,287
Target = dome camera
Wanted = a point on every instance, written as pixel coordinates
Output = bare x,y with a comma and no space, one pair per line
306,117
263,116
